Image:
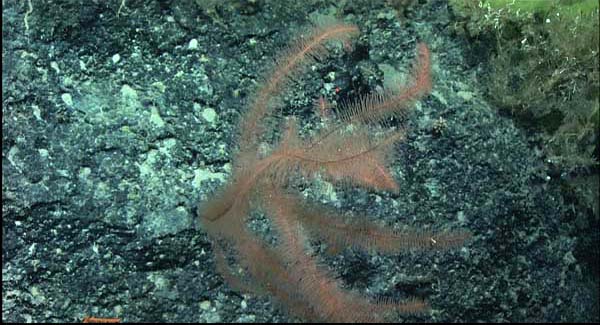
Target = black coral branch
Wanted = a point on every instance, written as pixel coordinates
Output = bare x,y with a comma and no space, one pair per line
341,232
393,102
355,157
324,295
287,67
350,152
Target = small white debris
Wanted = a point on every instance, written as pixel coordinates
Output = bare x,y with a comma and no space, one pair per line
460,216
465,95
193,45
54,66
209,114
116,58
205,305
37,112
67,99
44,153
128,93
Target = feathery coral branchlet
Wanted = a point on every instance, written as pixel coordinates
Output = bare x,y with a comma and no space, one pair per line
357,157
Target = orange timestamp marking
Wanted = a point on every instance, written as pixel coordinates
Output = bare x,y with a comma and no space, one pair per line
92,319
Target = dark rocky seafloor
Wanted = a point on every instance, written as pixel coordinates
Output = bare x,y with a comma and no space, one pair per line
118,122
